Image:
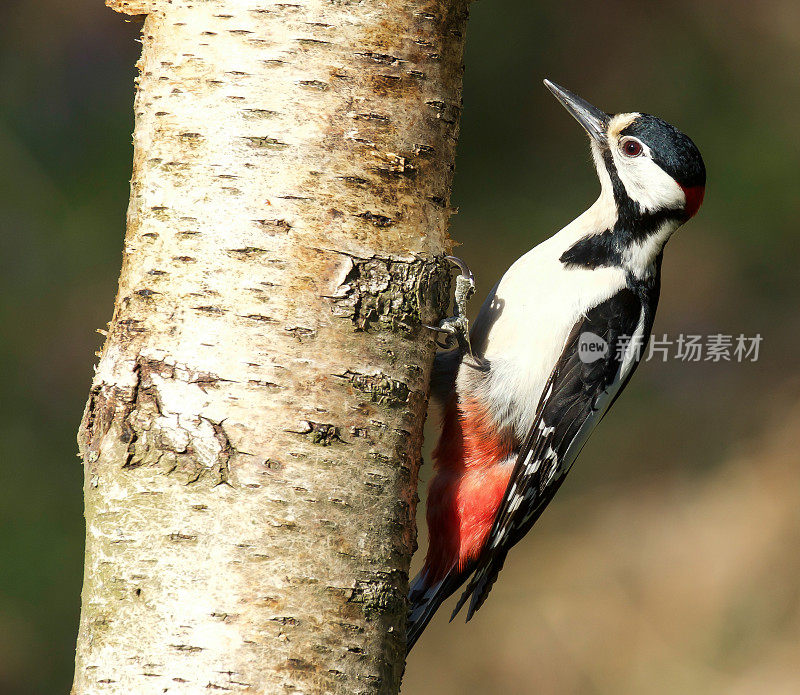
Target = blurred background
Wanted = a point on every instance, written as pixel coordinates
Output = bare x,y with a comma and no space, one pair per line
670,560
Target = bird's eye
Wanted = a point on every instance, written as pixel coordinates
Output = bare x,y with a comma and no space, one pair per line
632,148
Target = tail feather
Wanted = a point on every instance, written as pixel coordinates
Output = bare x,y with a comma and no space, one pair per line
424,601
480,585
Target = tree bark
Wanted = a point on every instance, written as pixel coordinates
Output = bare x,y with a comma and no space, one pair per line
252,436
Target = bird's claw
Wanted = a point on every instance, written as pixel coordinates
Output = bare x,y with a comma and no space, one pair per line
456,327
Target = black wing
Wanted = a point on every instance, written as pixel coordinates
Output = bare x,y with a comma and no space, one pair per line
576,396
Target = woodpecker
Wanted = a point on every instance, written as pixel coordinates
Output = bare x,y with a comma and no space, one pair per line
520,396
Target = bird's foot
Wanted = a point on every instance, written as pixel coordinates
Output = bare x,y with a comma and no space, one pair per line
456,327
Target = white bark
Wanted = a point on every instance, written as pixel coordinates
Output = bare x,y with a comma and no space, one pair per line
251,440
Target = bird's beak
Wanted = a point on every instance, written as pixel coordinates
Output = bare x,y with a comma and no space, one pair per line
593,120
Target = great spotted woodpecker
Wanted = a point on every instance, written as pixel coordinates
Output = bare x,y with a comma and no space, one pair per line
519,396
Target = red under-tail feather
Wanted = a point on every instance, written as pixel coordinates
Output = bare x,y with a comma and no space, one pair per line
470,482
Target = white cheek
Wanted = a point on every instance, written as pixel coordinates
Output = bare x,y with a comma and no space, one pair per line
648,184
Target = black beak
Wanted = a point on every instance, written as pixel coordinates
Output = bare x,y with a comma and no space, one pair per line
593,120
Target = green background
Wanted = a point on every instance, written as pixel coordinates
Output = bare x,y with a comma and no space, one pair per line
668,563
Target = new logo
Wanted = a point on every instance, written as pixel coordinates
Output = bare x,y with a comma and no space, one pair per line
591,347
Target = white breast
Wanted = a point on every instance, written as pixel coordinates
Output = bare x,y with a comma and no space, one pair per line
525,321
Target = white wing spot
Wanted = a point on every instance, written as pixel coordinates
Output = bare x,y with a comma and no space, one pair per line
533,467
544,429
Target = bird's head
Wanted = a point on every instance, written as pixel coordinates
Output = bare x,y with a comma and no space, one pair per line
649,165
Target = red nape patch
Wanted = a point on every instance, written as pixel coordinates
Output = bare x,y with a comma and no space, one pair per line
468,487
694,198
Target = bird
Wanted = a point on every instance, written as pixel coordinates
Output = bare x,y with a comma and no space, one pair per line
554,344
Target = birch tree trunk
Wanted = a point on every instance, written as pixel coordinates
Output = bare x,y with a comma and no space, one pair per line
251,440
